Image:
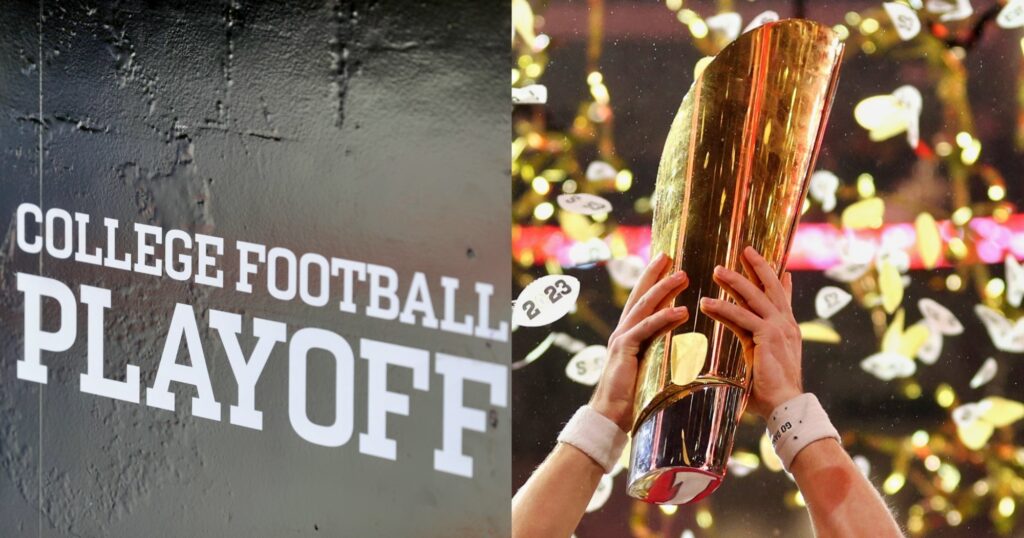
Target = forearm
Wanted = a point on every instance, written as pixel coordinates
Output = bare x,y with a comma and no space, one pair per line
841,501
553,500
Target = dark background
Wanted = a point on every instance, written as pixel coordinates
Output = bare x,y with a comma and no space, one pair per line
647,62
373,131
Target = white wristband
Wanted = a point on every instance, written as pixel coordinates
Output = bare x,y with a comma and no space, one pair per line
596,436
797,423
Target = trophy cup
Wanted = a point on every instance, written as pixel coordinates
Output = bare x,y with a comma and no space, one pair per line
733,173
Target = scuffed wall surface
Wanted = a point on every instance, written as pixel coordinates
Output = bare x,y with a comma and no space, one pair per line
374,131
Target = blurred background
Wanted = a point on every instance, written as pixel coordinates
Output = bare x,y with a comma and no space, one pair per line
911,225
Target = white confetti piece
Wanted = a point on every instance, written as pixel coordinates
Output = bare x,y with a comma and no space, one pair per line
568,343
904,19
847,271
600,171
740,468
907,342
626,271
1014,280
967,413
1012,15
885,116
975,422
823,189
536,352
534,94
546,300
726,25
588,252
855,250
894,255
888,366
910,98
1005,334
830,300
939,317
762,19
585,367
863,465
950,11
584,204
985,374
929,352
601,494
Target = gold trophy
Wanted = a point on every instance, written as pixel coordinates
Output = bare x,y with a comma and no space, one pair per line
733,173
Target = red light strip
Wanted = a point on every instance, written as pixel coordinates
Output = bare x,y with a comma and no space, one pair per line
816,246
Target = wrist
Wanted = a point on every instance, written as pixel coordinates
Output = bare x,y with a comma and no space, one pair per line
777,399
619,412
596,436
795,424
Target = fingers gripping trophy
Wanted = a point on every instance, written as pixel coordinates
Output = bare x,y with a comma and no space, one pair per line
733,174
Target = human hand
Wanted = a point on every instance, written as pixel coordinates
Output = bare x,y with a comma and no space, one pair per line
645,315
762,318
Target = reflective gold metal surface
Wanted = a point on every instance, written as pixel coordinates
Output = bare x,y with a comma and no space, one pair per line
733,173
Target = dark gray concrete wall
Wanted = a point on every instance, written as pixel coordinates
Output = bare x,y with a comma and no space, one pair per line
375,131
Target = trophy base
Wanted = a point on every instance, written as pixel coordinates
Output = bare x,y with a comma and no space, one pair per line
676,485
679,452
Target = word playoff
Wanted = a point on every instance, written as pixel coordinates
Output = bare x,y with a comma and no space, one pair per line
197,257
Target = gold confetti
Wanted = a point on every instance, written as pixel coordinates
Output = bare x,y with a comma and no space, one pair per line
894,483
816,331
1006,506
866,213
944,395
894,334
912,340
1001,411
975,422
578,227
884,116
975,434
748,459
949,477
768,456
522,21
624,458
908,342
896,358
929,242
971,153
890,283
